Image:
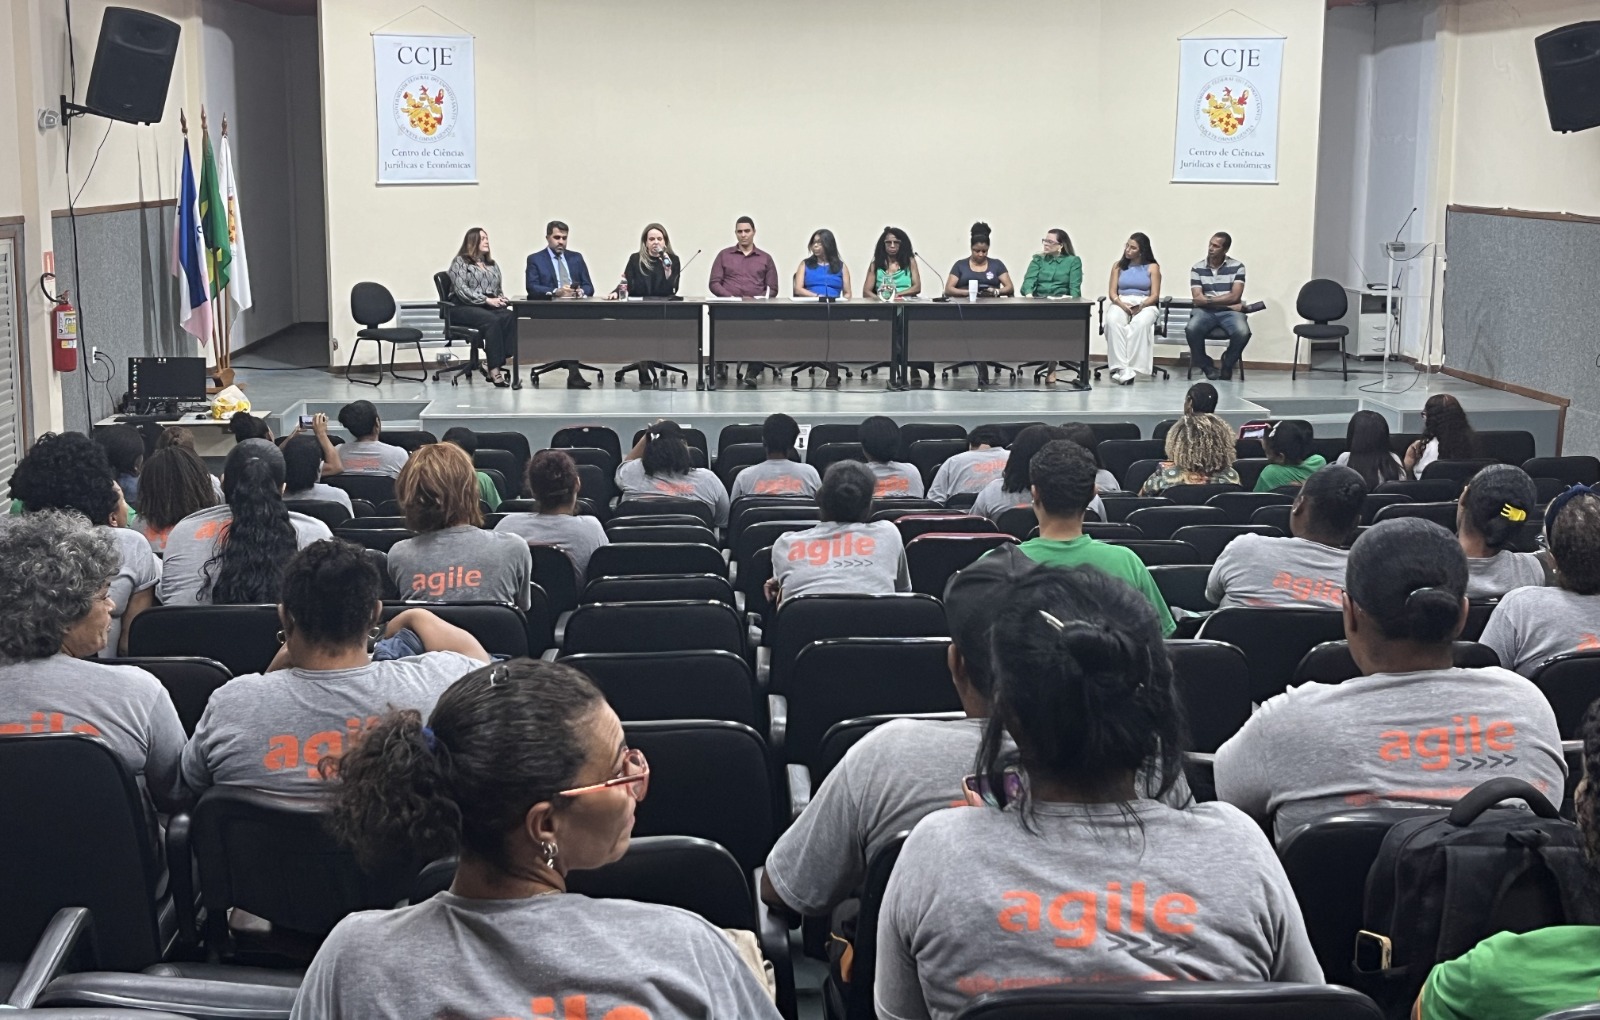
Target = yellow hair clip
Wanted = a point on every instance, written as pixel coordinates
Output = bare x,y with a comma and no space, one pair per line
1512,513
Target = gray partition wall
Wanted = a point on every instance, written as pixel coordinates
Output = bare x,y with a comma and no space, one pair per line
1522,306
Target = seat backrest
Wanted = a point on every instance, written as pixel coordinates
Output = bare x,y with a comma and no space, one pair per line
912,525
858,993
639,506
1106,530
1249,470
1212,683
764,509
892,509
505,462
1273,516
1163,521
1104,430
1568,471
1443,514
708,778
673,685
375,489
188,680
553,570
847,733
501,480
1376,501
802,619
927,454
1180,1000
692,874
1438,490
1184,585
1239,506
598,456
1138,473
693,534
1162,427
273,855
1274,640
593,436
935,558
1009,429
739,455
1154,552
371,304
760,534
740,435
1210,539
499,628
842,678
822,457
77,834
242,638
654,521
1478,613
1018,522
514,443
1570,682
1458,471
1200,495
622,559
373,538
1506,446
1119,507
913,432
325,510
1321,301
659,588
830,432
654,627
1331,662
1117,455
409,440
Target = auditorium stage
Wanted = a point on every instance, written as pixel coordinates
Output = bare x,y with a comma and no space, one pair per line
1323,399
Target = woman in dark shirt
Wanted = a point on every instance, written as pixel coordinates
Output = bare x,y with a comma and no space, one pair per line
991,275
653,270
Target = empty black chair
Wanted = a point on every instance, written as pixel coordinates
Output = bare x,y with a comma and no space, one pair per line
1155,552
639,506
802,619
1570,682
372,305
1163,521
912,525
758,535
1212,682
1569,471
1105,430
1249,470
595,456
739,435
679,534
822,457
1018,522
1183,585
382,539
913,432
1274,640
730,459
1210,539
842,678
409,440
1119,507
1332,663
1201,495
1443,514
1438,490
514,443
1180,1000
1376,501
750,509
1478,613
325,510
621,559
708,779
892,509
1117,455
654,627
188,680
1507,446
654,521
362,507
504,463
659,588
674,685
242,638
501,629
1458,471
1162,427
1324,303
830,432
1105,530
375,489
1239,506
1138,473
1273,517
377,522
554,571
847,733
927,454
934,559
754,573
595,436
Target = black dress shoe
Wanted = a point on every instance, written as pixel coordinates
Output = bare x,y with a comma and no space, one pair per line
1209,371
577,382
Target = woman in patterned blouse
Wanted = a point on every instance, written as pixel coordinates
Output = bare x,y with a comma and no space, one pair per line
483,304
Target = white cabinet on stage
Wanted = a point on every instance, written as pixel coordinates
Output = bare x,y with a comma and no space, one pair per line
1367,321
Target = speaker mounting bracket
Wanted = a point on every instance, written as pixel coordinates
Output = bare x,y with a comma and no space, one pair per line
71,110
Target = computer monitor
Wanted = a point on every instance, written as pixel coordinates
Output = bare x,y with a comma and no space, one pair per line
179,379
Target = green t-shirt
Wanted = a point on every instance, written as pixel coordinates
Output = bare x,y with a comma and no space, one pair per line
1121,563
1509,977
488,492
1274,475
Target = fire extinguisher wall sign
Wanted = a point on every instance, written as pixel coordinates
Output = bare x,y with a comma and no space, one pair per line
64,333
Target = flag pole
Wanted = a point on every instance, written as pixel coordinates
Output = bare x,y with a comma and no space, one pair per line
211,271
225,357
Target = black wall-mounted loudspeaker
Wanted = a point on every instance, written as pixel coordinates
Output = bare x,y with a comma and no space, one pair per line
132,66
1569,65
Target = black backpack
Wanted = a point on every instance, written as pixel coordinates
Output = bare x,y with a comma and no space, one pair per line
1443,883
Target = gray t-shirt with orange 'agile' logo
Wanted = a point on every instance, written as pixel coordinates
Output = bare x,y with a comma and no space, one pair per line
463,564
841,558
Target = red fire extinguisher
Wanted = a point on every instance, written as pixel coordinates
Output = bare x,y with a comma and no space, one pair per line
64,335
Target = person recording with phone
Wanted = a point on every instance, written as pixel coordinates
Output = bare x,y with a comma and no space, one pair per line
653,270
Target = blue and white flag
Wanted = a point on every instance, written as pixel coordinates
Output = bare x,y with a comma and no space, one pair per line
188,256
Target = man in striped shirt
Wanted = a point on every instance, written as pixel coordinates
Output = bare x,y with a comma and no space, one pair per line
1217,284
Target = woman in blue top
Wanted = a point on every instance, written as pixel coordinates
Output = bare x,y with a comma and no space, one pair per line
991,275
893,272
1130,311
823,274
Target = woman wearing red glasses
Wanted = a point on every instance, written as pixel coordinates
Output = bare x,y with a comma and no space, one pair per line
522,771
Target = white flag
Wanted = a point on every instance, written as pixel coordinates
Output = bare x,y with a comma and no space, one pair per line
239,281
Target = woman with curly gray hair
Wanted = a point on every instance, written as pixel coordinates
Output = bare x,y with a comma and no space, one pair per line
56,593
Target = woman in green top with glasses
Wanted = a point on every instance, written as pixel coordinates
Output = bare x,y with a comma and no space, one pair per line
893,273
1054,272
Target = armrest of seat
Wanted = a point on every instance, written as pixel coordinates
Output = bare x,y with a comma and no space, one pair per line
763,666
191,997
50,955
778,726
180,878
561,627
797,781
772,930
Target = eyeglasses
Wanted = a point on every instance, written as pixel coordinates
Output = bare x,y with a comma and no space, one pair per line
1048,241
635,776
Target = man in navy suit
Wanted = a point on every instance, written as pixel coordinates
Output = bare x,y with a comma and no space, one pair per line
560,274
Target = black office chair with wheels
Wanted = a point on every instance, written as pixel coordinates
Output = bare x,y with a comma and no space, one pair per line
639,686
1178,1000
1324,303
453,331
372,305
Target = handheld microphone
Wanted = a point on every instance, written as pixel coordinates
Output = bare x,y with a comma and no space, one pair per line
666,259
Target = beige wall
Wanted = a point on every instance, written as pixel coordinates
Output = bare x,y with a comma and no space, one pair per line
613,113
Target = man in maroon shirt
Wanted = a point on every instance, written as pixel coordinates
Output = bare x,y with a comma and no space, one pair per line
745,271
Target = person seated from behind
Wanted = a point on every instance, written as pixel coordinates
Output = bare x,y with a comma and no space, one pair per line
1083,435
1290,457
452,559
1368,451
1199,452
522,770
234,553
56,590
1200,399
1531,974
124,447
1305,570
1532,624
777,475
302,474
660,465
70,472
983,462
178,435
269,730
1489,514
368,454
1014,487
468,441
553,480
175,485
245,425
1384,738
1062,474
848,553
880,441
1446,435
1084,687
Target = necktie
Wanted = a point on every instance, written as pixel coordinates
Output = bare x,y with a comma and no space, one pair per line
563,278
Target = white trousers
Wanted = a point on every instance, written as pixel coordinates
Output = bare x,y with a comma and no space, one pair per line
1130,343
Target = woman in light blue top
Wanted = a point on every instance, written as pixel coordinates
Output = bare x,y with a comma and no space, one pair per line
1130,311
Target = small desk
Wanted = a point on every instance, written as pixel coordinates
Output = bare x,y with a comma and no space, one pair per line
612,332
213,437
780,330
1000,329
